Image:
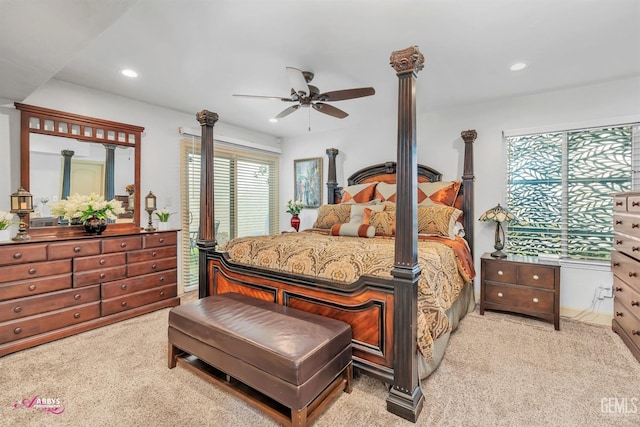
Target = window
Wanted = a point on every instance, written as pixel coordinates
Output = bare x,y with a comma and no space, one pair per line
245,197
559,187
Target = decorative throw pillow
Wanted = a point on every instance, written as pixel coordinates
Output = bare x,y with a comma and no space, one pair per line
359,193
383,222
328,215
359,214
438,221
386,192
354,230
440,192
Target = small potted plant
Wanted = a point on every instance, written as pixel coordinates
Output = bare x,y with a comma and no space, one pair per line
5,222
163,216
294,207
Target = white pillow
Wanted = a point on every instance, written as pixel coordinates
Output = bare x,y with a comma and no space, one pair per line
357,212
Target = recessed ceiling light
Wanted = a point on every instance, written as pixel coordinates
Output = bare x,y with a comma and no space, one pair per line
518,66
273,120
129,73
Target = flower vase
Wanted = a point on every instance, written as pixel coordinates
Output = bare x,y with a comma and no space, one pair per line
295,222
95,225
163,226
5,235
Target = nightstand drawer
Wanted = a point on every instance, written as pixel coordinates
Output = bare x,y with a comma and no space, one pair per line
536,276
527,299
503,272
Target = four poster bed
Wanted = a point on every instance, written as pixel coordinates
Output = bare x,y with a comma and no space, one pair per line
364,261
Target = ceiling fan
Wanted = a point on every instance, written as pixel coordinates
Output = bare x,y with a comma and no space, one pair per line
308,95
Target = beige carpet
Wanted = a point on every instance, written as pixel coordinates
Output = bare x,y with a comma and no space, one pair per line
499,370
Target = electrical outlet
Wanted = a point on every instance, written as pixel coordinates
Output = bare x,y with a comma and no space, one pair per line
607,292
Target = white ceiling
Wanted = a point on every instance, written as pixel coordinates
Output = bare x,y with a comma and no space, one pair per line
194,54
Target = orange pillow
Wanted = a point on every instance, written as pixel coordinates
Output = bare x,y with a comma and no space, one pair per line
441,192
359,193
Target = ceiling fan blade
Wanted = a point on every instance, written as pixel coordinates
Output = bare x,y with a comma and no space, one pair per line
298,82
293,98
340,95
330,110
288,111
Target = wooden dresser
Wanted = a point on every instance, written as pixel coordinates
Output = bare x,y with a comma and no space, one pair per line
521,284
625,265
50,289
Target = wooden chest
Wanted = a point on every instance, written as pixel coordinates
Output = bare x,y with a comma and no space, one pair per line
51,289
625,265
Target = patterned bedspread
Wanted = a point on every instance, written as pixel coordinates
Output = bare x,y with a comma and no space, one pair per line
446,267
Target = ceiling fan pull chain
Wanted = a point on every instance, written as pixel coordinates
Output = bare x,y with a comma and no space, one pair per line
309,109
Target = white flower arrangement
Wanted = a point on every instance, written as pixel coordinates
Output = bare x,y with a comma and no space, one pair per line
294,207
84,207
5,220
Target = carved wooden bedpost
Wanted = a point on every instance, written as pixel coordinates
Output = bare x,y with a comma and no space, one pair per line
405,397
206,233
468,179
332,181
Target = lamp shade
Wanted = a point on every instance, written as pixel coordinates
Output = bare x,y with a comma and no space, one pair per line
21,201
150,202
497,214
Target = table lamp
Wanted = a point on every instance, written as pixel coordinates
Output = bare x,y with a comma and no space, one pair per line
498,214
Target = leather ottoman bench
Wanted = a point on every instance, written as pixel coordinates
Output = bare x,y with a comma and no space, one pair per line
299,360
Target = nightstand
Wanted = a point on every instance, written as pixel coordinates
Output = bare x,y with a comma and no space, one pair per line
521,284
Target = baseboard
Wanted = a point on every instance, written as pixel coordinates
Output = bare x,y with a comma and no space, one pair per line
596,317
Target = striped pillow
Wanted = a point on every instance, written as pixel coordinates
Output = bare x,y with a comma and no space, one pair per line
354,230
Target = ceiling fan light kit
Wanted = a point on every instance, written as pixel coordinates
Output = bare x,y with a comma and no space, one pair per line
308,95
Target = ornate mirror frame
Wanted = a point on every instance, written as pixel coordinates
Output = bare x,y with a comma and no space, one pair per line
82,128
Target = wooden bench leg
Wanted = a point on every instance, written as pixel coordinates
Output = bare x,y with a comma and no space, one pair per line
348,373
299,418
173,355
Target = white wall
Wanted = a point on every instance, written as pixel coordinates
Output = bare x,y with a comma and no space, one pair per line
440,146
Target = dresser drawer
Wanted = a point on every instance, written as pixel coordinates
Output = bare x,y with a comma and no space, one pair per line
34,325
121,244
627,245
626,224
73,249
627,295
19,254
160,239
34,270
137,299
633,204
513,297
620,203
29,306
625,268
99,262
537,276
152,266
137,284
26,288
628,321
503,272
99,276
149,254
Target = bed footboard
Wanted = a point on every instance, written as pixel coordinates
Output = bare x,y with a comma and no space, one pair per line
367,305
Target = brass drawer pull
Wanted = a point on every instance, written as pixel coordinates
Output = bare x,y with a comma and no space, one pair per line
76,315
536,277
77,249
17,309
32,271
123,286
123,244
32,287
619,314
500,294
17,255
536,300
77,297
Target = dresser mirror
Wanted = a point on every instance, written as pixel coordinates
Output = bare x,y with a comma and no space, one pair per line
63,154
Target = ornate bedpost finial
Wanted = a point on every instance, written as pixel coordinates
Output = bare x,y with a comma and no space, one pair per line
206,118
469,135
408,60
